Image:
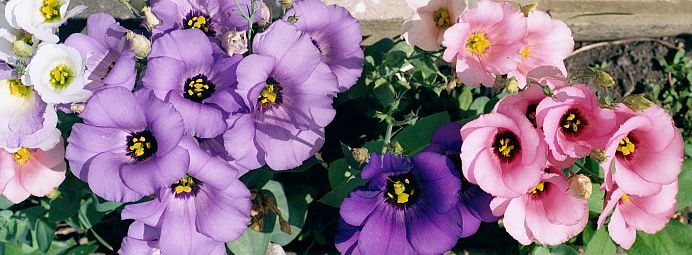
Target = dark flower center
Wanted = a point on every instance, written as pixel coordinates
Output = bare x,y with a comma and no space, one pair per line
141,145
626,147
540,187
531,114
572,122
506,145
109,68
186,187
198,88
442,18
401,189
198,20
270,95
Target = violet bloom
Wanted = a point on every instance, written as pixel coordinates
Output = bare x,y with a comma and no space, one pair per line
408,206
127,146
474,203
288,92
184,71
207,207
336,34
143,239
213,17
108,61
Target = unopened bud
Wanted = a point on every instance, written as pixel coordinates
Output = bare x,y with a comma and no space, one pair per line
265,14
637,102
361,155
77,107
397,148
286,4
139,44
452,84
234,42
598,155
53,194
292,19
580,186
150,18
22,49
526,9
603,79
512,86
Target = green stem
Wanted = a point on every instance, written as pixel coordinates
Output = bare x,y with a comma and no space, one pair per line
388,136
103,242
131,8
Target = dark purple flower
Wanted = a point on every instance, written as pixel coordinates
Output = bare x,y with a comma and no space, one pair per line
474,203
346,239
206,208
127,146
213,17
109,62
408,207
287,94
336,33
183,70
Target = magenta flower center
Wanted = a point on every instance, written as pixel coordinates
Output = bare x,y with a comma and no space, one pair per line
198,88
572,122
506,145
626,146
141,145
270,96
186,187
198,20
401,189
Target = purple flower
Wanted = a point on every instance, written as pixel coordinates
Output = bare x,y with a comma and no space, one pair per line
108,60
215,146
183,70
213,17
206,208
408,207
337,35
143,239
287,94
127,146
474,203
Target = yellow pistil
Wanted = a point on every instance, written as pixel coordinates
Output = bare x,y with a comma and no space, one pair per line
538,188
400,192
22,156
50,10
199,22
269,96
61,76
185,185
572,123
625,198
477,43
18,89
442,18
626,147
506,147
525,52
139,146
196,87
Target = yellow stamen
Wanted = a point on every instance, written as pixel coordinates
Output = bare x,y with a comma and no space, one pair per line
506,148
572,123
269,95
184,185
442,18
22,156
18,89
50,10
525,53
625,198
400,191
626,147
538,188
61,76
477,43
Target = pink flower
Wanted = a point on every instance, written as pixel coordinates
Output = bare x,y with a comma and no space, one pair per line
548,42
546,213
486,41
645,153
503,154
547,76
31,172
649,214
425,28
573,122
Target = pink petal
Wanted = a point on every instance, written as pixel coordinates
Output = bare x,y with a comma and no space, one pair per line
515,221
619,231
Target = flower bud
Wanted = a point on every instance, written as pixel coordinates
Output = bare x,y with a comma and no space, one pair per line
292,19
286,4
526,9
361,155
77,107
512,86
139,44
234,42
598,155
22,49
603,79
265,14
637,102
580,186
150,18
397,148
53,194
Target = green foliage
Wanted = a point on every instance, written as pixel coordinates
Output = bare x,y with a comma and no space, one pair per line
600,244
675,93
675,239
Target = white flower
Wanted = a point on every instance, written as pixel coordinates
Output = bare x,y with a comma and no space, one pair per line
57,74
8,38
25,121
40,17
139,44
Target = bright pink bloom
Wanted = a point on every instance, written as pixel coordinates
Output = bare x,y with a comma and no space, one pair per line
31,172
548,42
486,41
546,213
425,28
573,122
645,153
503,154
649,214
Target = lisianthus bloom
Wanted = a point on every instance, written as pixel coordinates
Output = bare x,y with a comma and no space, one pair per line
486,41
208,206
108,60
40,17
547,76
407,207
25,120
548,42
8,36
645,153
574,123
546,213
336,34
215,146
474,203
288,104
28,172
144,239
646,213
213,17
127,146
184,71
346,240
6,71
503,154
57,74
432,18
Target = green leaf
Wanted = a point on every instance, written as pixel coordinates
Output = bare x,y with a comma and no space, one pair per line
675,239
600,244
466,98
256,179
540,250
596,199
88,215
588,232
83,249
337,195
348,155
685,186
44,235
554,250
339,171
250,243
478,105
415,137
